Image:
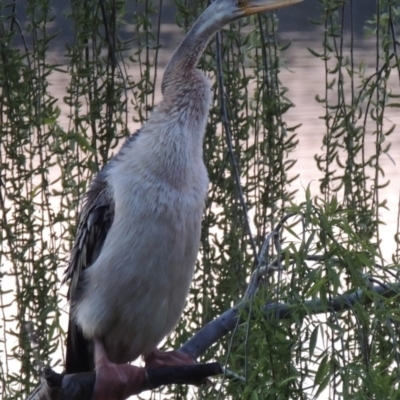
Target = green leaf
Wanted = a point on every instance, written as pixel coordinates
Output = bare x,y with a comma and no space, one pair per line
313,341
322,371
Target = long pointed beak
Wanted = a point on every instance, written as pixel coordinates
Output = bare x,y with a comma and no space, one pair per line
257,6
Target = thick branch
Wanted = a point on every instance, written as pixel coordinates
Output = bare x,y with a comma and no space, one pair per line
80,386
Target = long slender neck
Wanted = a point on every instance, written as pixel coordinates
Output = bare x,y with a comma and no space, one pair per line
188,53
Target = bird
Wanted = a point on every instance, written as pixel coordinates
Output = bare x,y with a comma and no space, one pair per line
138,233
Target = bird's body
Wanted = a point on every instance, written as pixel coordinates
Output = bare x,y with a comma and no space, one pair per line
158,188
155,187
139,232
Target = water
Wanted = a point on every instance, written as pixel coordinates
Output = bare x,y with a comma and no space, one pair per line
306,79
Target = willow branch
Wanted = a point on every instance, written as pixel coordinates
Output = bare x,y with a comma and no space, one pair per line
228,135
219,327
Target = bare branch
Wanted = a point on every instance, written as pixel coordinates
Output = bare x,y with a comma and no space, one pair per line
80,386
340,303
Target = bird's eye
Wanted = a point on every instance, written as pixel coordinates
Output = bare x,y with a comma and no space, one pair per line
239,3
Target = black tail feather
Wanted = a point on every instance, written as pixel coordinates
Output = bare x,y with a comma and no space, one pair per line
79,351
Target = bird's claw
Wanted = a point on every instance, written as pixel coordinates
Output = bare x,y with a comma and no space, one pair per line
158,358
117,381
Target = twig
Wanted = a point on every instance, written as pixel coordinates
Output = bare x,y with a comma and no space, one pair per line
233,375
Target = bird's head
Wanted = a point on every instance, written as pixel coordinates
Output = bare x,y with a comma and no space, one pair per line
214,18
234,9
221,12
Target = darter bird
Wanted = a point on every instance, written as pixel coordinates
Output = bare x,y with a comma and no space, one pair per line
139,231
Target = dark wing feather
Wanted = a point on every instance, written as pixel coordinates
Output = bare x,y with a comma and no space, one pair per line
94,223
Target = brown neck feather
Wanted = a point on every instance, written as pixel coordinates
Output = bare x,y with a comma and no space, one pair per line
188,53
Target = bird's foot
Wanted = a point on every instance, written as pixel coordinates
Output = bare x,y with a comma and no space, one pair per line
158,358
117,381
